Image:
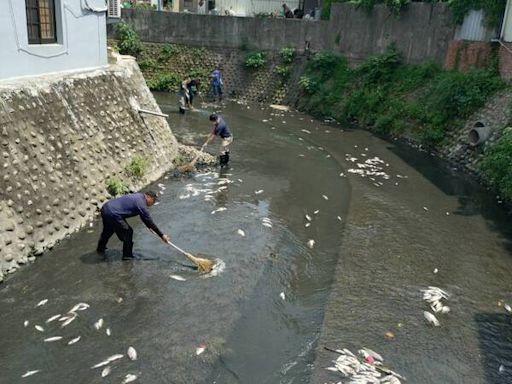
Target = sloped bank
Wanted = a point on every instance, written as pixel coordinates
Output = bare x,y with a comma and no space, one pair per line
63,138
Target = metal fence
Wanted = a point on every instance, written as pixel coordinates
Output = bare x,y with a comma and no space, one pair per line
253,7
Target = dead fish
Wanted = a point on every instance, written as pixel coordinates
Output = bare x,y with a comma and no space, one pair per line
311,243
200,349
218,210
445,309
129,378
98,324
73,341
103,363
39,328
25,323
79,307
425,209
50,339
436,270
68,321
338,217
282,296
258,192
53,318
106,371
115,357
42,302
307,225
308,218
30,373
241,233
507,308
132,353
108,332
177,277
316,212
431,319
266,219
267,224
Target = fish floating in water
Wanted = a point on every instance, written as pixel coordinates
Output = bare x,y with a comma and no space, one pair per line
106,371
108,332
30,373
129,378
26,323
42,302
55,317
325,197
434,296
39,328
311,243
431,319
177,277
241,233
79,307
308,218
258,192
282,295
73,341
98,324
200,349
132,353
50,339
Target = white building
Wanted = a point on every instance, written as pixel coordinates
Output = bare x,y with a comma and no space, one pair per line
45,36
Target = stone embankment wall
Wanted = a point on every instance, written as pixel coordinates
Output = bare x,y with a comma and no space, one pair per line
421,33
61,138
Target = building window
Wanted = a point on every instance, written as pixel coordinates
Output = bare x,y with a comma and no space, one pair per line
41,21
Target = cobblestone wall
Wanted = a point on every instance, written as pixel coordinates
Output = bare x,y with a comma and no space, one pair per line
61,138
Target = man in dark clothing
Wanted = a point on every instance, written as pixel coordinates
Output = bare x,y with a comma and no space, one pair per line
192,86
220,129
114,214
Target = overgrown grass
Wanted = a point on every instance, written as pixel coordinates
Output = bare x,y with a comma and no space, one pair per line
255,60
164,82
137,167
387,96
496,166
128,40
116,187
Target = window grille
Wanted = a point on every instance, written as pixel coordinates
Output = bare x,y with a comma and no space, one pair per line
41,21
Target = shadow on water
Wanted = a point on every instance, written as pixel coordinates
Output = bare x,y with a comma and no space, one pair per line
495,338
473,199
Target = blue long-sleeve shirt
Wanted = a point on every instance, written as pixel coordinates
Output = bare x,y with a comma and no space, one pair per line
130,205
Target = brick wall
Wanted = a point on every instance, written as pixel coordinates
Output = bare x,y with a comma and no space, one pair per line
505,60
464,55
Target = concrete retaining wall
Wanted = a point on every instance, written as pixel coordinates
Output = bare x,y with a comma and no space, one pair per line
421,33
61,138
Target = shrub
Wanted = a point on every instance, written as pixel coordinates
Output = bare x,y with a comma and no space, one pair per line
283,71
166,52
137,167
496,164
324,60
381,67
147,63
164,82
255,60
116,187
129,42
287,55
308,86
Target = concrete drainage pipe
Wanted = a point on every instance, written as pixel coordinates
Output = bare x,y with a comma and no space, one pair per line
478,134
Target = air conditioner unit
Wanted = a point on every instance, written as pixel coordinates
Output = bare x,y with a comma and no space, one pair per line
114,9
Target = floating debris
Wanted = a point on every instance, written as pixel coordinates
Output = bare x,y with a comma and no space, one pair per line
241,233
30,373
50,339
282,296
132,353
200,349
311,243
75,340
435,271
177,277
42,302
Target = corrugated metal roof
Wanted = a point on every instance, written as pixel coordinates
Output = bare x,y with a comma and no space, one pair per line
506,31
473,28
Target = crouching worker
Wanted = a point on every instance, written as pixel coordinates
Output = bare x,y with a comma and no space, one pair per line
220,129
114,214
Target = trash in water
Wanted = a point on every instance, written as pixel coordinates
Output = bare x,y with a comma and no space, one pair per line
200,349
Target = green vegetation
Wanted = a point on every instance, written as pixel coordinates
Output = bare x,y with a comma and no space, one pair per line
147,63
137,167
166,52
287,55
493,9
496,166
422,102
128,41
164,82
283,71
116,187
255,60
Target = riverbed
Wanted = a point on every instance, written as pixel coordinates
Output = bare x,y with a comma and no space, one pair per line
327,235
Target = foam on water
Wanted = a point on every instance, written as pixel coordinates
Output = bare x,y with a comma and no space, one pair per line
217,269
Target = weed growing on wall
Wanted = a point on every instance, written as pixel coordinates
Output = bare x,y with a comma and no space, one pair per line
137,167
128,41
167,51
287,55
164,82
116,187
496,164
255,60
387,96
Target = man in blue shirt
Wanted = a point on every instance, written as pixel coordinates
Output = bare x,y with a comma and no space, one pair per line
217,83
114,214
220,129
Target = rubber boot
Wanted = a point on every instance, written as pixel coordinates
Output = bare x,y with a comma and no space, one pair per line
222,161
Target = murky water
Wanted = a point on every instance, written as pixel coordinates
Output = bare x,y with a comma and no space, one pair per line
267,316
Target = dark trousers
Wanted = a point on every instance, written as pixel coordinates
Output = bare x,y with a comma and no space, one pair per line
123,231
